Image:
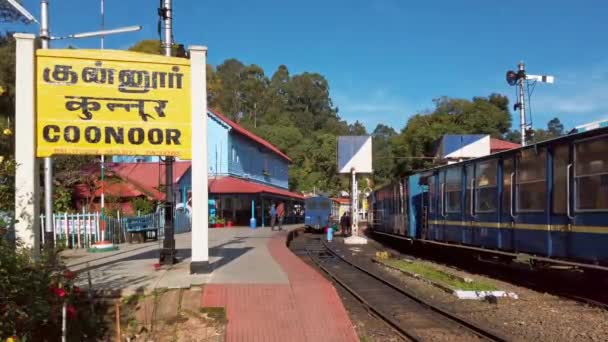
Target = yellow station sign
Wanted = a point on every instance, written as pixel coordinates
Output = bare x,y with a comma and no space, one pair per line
112,103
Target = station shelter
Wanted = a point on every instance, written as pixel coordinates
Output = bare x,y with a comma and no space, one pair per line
246,175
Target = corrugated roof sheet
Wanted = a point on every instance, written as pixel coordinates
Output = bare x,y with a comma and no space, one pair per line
233,185
501,145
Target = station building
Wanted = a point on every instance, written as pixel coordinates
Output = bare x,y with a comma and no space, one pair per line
246,175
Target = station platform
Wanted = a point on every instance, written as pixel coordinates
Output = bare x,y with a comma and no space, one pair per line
268,292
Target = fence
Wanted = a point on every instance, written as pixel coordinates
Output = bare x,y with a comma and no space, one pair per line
84,229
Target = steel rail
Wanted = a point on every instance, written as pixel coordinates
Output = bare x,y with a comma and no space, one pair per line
472,327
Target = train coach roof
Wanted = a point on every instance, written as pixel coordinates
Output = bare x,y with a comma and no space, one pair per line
567,137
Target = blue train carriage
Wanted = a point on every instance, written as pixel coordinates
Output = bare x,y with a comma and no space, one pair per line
320,212
548,200
390,209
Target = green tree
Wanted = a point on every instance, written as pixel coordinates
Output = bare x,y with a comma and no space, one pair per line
382,153
555,127
151,46
417,140
357,128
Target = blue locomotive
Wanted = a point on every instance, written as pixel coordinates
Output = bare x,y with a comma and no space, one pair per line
547,201
320,212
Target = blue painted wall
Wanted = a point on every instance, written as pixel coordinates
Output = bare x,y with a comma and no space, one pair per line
248,159
229,153
217,146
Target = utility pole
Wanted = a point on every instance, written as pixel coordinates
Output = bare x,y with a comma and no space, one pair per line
522,104
167,255
102,26
45,37
103,161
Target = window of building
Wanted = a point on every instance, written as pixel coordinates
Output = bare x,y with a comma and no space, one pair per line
485,187
531,181
507,195
561,158
453,189
591,174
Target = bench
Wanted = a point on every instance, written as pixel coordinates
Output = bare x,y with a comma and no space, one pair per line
139,227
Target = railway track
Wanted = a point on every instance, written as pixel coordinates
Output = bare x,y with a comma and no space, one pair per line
560,283
412,317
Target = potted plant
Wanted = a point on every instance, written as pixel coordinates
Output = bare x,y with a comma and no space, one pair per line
219,222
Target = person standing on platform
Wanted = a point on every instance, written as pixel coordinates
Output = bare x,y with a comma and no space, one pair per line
281,214
349,229
344,224
273,215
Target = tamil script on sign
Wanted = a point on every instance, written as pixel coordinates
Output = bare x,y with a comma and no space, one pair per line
112,103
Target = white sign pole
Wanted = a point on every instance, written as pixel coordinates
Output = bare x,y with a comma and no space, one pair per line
27,175
355,239
200,196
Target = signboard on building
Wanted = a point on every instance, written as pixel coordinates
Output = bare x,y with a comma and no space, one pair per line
112,103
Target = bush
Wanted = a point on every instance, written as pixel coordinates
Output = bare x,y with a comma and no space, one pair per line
32,294
142,205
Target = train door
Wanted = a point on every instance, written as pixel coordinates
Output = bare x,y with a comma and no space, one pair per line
560,208
531,234
468,230
507,208
452,202
404,206
435,210
484,207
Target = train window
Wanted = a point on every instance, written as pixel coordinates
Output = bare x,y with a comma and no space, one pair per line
591,174
531,182
485,183
507,170
324,205
453,187
311,205
561,158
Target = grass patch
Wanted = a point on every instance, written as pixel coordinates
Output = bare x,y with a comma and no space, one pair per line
435,275
217,314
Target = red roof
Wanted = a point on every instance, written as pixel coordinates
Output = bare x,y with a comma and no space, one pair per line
250,135
501,145
120,189
232,185
139,178
342,200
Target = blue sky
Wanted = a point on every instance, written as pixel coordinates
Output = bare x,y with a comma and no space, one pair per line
386,59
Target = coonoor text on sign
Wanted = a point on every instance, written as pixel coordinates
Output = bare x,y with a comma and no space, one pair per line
112,103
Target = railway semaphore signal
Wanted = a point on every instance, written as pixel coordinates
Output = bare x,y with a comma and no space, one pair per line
519,78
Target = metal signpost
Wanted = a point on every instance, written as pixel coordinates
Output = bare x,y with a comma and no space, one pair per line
520,79
167,254
354,156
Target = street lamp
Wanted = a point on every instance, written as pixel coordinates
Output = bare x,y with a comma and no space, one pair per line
11,10
99,33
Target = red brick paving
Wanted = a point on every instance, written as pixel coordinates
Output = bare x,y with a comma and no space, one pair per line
306,309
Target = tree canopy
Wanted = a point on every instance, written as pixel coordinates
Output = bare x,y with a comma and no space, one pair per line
295,112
